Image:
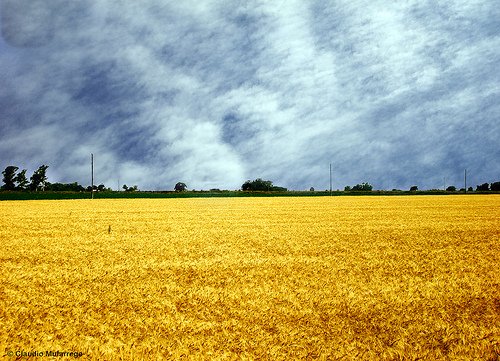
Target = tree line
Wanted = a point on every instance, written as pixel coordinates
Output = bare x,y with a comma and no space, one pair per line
487,187
14,181
261,185
18,181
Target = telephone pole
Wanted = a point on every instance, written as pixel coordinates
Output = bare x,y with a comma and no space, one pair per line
465,180
330,179
92,173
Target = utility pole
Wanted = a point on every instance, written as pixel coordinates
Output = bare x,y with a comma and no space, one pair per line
465,180
330,179
92,173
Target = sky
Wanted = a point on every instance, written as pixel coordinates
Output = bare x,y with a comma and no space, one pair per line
214,93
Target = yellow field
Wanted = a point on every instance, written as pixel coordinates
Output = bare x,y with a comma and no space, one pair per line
351,278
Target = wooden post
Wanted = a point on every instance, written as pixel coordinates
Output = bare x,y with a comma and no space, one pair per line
92,173
330,179
465,180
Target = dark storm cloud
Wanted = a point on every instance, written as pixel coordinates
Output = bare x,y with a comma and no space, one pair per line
213,94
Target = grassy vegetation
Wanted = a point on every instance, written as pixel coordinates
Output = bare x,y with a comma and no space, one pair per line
17,195
351,278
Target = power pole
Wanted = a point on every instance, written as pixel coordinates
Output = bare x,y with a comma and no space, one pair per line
330,179
465,180
92,173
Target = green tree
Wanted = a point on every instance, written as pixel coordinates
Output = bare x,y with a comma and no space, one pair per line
451,189
9,178
257,185
130,189
495,186
366,187
180,187
413,188
39,178
65,187
483,187
21,180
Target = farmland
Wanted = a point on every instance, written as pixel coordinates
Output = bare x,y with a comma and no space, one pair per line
351,278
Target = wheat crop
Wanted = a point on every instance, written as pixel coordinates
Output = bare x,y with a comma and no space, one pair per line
346,278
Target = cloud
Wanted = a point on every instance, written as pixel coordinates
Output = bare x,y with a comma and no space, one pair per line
215,94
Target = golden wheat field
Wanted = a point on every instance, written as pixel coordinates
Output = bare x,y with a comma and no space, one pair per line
328,278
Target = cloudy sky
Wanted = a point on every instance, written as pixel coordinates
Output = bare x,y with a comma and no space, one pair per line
212,93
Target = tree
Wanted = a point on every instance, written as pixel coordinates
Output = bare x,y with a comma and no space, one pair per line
470,189
21,180
311,189
483,187
347,188
495,186
366,187
261,185
9,178
77,187
180,187
65,187
451,189
257,185
39,179
413,188
130,189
